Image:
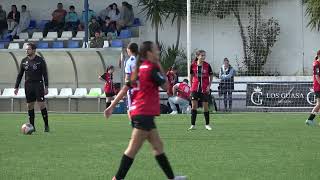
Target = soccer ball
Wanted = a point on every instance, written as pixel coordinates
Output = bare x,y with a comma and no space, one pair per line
27,128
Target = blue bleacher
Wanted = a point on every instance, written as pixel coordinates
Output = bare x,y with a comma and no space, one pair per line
43,24
57,44
2,45
125,33
33,24
73,44
136,22
43,45
116,43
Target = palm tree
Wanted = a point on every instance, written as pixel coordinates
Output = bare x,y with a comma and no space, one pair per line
154,11
313,12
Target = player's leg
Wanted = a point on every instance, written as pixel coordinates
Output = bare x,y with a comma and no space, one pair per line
183,104
194,107
157,148
205,104
31,99
30,106
108,101
230,100
172,101
138,136
41,103
316,109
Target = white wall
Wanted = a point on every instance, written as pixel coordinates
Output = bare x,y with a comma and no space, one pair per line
292,54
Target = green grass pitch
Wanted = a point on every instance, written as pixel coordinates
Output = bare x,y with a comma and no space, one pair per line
245,146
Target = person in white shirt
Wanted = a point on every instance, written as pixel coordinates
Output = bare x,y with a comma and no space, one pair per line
24,22
114,12
181,92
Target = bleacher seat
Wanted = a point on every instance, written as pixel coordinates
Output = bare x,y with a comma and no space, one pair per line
94,93
14,46
25,45
73,44
79,93
80,35
57,44
116,43
51,36
2,46
65,93
21,94
84,43
106,44
43,45
33,24
66,35
7,93
136,22
36,36
43,24
52,93
125,33
22,37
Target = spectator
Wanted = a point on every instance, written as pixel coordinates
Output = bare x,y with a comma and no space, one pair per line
226,86
57,23
126,16
94,26
114,12
72,21
91,14
182,95
103,14
97,41
13,18
3,21
108,27
25,18
172,79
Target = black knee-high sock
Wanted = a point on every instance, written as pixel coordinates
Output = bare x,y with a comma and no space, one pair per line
165,165
206,117
193,117
311,117
124,167
31,116
44,113
108,104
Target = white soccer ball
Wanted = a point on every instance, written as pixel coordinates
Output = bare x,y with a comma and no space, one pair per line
27,128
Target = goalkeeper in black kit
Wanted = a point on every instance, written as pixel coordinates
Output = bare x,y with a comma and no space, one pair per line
36,83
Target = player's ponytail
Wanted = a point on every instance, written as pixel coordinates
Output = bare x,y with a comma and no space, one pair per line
145,47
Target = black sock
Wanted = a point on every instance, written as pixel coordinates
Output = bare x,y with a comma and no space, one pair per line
206,117
108,104
44,113
193,117
31,116
311,117
165,165
124,167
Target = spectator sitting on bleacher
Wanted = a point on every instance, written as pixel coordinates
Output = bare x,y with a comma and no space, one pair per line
126,16
25,18
103,14
91,14
3,22
97,41
108,26
114,12
94,26
72,21
57,22
13,18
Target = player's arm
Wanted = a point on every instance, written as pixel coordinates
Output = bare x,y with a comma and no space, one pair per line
103,77
191,75
316,72
19,77
175,89
159,78
45,73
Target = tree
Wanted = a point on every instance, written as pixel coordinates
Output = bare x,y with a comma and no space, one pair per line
313,12
155,11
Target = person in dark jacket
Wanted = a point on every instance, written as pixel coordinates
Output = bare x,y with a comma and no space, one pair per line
226,76
13,18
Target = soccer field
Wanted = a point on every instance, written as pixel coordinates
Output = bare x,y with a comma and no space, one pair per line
248,146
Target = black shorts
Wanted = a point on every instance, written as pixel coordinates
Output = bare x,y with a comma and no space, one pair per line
110,94
200,96
34,91
317,94
143,122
